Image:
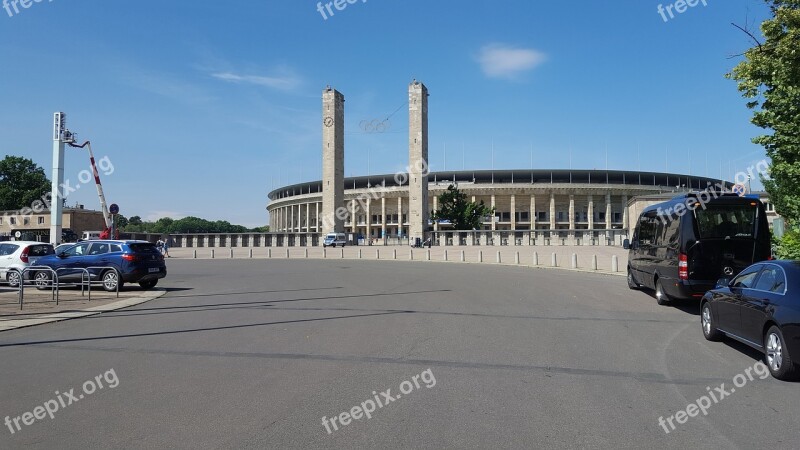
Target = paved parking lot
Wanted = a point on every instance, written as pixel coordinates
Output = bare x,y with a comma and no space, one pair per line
253,354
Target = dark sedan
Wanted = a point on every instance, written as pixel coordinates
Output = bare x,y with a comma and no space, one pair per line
760,307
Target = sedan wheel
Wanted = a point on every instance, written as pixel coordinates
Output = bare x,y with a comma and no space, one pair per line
110,281
709,328
661,297
778,360
13,277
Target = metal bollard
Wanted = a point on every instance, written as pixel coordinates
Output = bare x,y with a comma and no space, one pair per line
324,252
394,253
212,253
287,253
411,254
554,260
462,256
615,264
250,253
535,258
498,258
377,253
594,262
574,261
194,254
231,253
427,255
269,253
359,253
516,257
342,253
480,255
305,253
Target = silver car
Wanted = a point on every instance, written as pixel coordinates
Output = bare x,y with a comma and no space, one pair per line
15,256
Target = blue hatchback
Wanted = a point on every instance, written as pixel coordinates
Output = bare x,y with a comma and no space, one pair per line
134,261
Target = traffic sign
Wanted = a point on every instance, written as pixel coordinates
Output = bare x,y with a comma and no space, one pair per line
114,208
739,189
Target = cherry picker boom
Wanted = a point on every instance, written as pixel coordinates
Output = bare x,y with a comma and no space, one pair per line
106,234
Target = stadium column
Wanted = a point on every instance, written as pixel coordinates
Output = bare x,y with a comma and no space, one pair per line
552,210
418,160
400,216
353,216
571,212
369,218
608,211
532,237
308,217
383,217
332,159
625,212
435,207
316,217
513,212
494,214
590,212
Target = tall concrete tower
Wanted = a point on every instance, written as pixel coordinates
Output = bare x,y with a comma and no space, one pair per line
332,161
418,213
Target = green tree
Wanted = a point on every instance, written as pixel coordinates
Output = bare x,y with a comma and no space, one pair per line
121,221
769,77
22,182
462,214
135,220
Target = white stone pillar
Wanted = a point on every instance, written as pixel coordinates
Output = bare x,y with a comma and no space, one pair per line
513,214
552,211
590,212
399,216
608,211
435,207
625,212
383,218
308,217
316,218
494,220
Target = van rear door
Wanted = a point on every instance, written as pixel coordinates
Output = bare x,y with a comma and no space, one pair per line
730,236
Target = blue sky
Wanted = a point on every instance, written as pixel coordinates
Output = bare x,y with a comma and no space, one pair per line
204,107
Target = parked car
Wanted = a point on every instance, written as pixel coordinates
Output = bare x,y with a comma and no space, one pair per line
681,247
135,261
760,307
15,256
334,239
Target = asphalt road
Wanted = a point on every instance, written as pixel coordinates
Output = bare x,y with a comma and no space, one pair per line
253,354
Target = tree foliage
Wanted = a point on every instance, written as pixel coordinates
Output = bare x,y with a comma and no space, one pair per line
769,77
166,225
21,183
461,213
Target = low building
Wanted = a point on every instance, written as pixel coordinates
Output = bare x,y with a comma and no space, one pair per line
35,226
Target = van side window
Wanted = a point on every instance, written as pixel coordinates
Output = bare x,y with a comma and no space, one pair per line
647,230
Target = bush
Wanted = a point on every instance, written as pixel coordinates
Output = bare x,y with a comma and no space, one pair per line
789,245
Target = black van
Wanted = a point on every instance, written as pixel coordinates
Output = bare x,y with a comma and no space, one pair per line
681,247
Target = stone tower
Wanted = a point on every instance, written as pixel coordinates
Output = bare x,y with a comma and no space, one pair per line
332,161
418,213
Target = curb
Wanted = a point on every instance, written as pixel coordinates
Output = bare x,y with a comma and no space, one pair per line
541,266
14,324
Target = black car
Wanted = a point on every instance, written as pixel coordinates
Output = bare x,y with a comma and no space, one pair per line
681,247
761,308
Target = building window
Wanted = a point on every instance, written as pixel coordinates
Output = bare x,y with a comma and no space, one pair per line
12,220
601,216
26,221
542,216
40,220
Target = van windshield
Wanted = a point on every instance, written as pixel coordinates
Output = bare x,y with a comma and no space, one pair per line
721,221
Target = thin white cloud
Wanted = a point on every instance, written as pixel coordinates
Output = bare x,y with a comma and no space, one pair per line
285,81
504,61
152,216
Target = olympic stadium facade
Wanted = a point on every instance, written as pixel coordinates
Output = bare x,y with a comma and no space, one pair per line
569,202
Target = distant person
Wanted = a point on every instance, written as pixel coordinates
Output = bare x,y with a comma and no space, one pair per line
165,245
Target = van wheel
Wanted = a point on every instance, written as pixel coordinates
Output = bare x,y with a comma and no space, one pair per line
661,297
632,284
709,328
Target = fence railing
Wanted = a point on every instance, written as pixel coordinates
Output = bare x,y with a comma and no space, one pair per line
51,280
